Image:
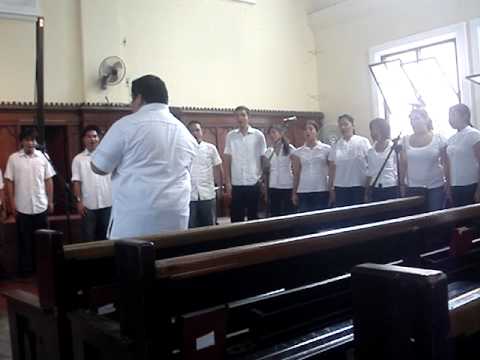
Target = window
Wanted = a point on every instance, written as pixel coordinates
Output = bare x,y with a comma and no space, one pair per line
421,71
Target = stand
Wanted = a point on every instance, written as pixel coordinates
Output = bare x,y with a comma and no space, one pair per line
397,148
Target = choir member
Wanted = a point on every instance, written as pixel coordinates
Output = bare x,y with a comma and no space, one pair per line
244,156
421,162
387,185
206,166
93,192
311,171
279,169
149,154
349,164
29,185
463,155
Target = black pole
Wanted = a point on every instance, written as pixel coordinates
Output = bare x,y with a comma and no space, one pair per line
39,77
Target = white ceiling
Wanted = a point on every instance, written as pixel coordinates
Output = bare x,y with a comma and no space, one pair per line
316,5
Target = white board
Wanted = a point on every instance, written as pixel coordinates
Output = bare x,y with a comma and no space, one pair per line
28,8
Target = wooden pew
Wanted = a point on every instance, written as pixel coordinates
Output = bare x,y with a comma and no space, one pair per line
242,302
81,275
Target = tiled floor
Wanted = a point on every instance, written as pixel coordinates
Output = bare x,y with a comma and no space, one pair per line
27,285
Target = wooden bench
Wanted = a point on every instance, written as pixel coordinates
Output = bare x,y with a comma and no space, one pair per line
82,275
255,301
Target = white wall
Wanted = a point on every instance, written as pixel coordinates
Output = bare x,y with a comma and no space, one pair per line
344,33
211,53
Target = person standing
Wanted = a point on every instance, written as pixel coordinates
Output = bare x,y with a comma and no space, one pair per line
206,166
310,171
244,156
349,165
387,185
149,154
29,185
279,172
463,158
93,192
421,162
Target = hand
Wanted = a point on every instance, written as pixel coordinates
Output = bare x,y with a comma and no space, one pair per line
403,190
332,198
367,195
448,193
51,208
228,189
82,210
295,199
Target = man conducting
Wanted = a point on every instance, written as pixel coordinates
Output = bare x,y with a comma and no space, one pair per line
149,154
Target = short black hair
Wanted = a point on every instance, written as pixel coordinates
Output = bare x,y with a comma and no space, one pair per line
242,108
152,89
91,128
193,122
28,133
464,112
347,117
383,125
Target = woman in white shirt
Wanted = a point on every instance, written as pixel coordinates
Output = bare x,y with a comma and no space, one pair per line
310,172
279,170
421,162
386,186
463,157
349,165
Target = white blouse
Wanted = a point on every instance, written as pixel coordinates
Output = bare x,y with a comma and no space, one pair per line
463,163
281,176
375,160
314,171
423,163
350,158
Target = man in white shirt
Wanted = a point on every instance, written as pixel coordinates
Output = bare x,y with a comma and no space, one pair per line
93,192
244,156
206,166
149,154
29,186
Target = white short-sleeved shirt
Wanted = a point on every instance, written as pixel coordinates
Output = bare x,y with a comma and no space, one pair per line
463,162
281,176
96,189
246,152
28,173
375,160
203,182
314,168
350,158
423,163
149,154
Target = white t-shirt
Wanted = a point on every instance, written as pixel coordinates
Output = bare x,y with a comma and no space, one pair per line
281,176
423,163
149,154
96,189
246,152
375,160
203,182
463,162
28,173
314,170
350,158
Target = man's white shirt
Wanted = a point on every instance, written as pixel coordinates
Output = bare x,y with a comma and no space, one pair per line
246,152
149,154
96,189
203,183
28,173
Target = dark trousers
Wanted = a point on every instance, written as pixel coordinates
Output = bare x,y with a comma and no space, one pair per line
245,200
347,196
312,201
463,195
387,193
95,224
280,202
434,198
202,213
26,226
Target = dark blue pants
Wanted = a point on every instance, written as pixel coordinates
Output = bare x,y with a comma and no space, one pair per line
202,213
434,198
312,201
347,196
463,195
280,202
27,225
382,194
95,224
245,199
